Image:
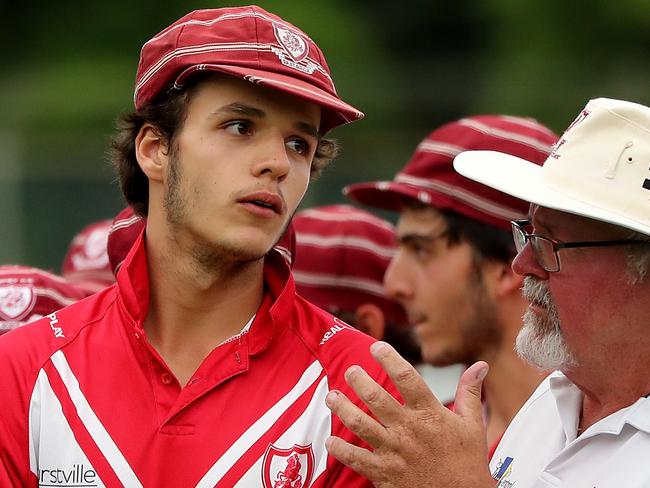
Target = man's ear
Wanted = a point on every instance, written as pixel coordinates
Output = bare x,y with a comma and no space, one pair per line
370,319
506,280
151,151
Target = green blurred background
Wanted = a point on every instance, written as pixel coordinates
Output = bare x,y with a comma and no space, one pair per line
68,70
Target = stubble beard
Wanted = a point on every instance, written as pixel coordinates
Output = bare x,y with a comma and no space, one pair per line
208,257
480,332
540,341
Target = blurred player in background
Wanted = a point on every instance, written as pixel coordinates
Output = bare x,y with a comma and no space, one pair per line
28,294
86,262
452,270
340,259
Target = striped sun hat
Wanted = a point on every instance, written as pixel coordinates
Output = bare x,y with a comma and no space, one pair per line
341,256
429,176
27,294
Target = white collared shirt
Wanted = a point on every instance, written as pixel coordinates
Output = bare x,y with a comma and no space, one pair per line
541,449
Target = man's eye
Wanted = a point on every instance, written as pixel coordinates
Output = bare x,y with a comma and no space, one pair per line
419,250
298,146
239,127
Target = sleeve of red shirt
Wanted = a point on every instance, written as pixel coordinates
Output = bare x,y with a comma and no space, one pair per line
343,355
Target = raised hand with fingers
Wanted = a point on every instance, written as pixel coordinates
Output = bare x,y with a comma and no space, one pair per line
420,443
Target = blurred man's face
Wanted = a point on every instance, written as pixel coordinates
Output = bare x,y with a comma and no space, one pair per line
443,291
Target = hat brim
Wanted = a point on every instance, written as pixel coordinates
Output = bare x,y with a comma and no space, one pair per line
335,111
387,195
525,180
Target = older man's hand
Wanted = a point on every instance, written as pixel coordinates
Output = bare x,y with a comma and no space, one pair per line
420,443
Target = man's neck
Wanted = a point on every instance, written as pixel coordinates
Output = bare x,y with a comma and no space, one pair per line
193,309
506,388
606,392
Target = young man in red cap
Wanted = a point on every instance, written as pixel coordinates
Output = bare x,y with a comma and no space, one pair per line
200,367
452,270
341,256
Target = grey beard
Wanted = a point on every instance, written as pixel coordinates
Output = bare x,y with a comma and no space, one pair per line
540,341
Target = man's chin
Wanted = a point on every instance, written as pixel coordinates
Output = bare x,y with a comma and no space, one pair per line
546,351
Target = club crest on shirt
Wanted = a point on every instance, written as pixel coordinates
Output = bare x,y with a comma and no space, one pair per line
288,468
16,301
502,473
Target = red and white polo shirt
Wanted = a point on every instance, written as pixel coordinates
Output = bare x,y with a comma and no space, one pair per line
89,402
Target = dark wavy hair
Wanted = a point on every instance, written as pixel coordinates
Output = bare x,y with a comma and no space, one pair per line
167,113
488,242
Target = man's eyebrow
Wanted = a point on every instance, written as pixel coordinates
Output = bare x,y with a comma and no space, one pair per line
308,129
536,222
238,108
413,237
541,224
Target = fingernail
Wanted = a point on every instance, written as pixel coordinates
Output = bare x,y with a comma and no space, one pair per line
378,348
482,373
352,370
328,443
331,397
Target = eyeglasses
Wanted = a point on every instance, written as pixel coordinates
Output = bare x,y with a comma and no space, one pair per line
546,249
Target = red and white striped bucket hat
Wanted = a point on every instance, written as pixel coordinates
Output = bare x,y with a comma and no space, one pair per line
429,176
341,256
86,262
27,294
246,42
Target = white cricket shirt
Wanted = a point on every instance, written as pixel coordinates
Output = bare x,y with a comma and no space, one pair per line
541,449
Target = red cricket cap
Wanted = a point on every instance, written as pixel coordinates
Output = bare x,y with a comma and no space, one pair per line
341,256
246,42
429,176
27,294
86,262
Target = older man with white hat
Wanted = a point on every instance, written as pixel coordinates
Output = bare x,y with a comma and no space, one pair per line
584,253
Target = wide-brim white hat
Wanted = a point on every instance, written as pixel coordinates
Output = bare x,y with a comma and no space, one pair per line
600,167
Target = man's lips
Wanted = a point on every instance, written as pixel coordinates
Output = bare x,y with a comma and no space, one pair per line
264,200
415,321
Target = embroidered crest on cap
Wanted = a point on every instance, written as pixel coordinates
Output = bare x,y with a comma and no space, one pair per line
581,117
16,302
288,468
294,50
292,42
